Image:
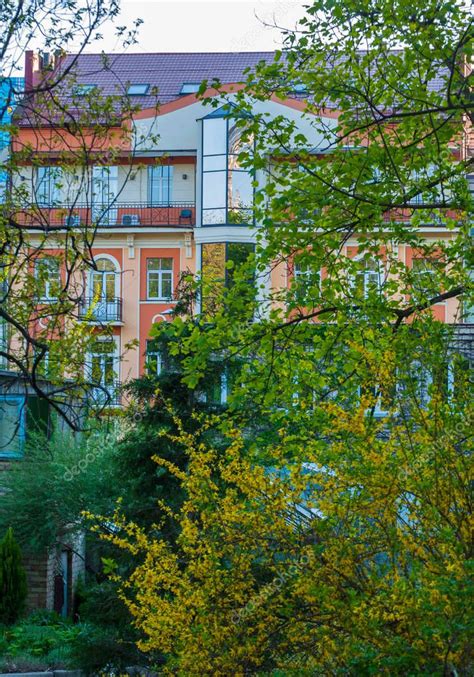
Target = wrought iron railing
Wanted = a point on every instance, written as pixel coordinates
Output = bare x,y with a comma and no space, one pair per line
113,215
106,395
101,310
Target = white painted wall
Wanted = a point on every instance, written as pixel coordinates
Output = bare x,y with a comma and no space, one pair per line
180,130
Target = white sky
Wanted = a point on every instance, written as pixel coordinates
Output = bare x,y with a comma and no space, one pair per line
209,26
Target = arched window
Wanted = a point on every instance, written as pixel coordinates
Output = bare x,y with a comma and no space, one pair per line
103,293
105,280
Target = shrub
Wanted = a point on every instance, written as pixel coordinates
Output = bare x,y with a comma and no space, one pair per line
39,642
12,580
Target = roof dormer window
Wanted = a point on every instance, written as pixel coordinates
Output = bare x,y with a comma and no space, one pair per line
82,90
190,87
299,88
138,90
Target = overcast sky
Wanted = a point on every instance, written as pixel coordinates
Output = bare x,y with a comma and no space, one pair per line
212,25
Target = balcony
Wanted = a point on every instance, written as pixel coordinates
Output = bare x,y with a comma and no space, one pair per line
101,310
118,215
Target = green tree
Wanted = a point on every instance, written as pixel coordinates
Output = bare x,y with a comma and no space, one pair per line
12,580
328,532
55,102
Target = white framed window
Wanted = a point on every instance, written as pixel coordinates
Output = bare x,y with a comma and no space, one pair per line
418,387
424,272
368,279
103,290
104,184
48,186
160,184
154,360
47,273
103,369
382,401
104,282
304,277
159,278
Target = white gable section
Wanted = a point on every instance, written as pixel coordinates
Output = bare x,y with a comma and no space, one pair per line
180,130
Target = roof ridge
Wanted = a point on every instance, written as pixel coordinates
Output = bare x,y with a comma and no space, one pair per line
79,54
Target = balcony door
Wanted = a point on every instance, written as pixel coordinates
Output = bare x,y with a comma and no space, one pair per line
160,185
104,194
104,291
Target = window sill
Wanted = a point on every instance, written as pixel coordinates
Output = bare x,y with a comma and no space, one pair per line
151,300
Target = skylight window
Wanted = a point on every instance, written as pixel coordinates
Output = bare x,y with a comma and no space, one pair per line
138,89
299,88
82,90
190,87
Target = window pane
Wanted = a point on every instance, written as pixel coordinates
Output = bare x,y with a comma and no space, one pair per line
160,264
238,253
166,286
105,264
213,163
152,285
104,184
109,372
49,182
236,144
97,285
240,190
109,285
11,412
47,272
213,190
135,90
160,184
214,136
213,273
213,261
213,217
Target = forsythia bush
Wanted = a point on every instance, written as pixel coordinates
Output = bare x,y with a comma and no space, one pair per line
353,559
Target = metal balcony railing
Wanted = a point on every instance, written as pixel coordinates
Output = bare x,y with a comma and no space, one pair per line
106,395
115,215
101,310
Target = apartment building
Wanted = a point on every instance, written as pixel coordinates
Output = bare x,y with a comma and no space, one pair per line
166,198
172,199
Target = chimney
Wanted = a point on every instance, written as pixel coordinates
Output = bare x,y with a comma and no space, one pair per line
29,54
35,65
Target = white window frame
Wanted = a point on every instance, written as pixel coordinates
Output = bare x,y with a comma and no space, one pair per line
160,185
48,187
115,357
150,357
428,271
92,272
367,273
160,277
48,281
303,277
